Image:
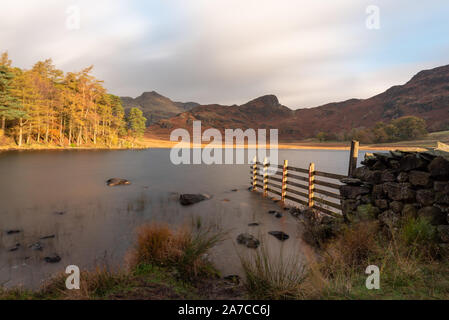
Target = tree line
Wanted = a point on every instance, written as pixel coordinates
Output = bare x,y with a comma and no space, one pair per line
401,129
44,105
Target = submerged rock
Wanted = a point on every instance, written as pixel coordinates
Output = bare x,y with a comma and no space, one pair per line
48,237
279,235
296,212
36,246
248,240
254,224
15,248
117,182
11,232
189,199
53,259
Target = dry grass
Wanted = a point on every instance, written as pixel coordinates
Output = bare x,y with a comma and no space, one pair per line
96,284
354,247
406,273
272,278
183,249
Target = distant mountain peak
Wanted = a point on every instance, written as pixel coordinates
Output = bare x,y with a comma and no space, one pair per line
156,106
269,100
151,94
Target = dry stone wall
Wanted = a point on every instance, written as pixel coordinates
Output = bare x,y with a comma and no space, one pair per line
400,184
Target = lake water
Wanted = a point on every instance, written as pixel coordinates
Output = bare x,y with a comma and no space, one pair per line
98,225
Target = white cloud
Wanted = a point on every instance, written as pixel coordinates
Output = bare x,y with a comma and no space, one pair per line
308,53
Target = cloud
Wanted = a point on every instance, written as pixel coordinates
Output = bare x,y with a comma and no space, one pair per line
307,53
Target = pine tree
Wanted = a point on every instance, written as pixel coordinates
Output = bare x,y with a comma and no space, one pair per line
136,123
10,109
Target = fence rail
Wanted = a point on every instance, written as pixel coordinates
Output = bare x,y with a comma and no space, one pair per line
305,181
290,185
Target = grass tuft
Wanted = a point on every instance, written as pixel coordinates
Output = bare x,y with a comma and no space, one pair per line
270,278
183,249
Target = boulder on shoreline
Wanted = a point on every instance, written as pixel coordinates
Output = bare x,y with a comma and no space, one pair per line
117,182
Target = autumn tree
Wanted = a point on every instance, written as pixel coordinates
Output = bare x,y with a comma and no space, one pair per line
46,105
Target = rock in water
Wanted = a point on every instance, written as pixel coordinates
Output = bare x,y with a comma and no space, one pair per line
36,246
255,224
11,232
48,237
189,199
279,235
117,182
248,240
53,259
15,248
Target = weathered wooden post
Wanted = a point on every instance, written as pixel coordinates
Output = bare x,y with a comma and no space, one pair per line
265,177
284,180
255,174
311,184
353,157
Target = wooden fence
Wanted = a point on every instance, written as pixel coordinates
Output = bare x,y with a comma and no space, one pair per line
308,187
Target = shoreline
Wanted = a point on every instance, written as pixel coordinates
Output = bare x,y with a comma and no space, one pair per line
158,143
58,148
163,144
344,146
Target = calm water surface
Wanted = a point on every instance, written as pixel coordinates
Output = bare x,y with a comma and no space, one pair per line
98,225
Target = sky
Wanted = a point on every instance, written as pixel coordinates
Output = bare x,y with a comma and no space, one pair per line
308,53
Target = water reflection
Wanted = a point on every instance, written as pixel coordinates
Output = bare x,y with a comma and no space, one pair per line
63,194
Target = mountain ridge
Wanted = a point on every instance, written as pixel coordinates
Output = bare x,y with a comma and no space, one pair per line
156,106
425,95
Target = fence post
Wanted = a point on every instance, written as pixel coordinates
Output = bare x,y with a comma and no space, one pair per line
311,184
353,157
255,174
284,180
265,177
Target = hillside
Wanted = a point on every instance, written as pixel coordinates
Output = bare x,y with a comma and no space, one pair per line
156,107
426,95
